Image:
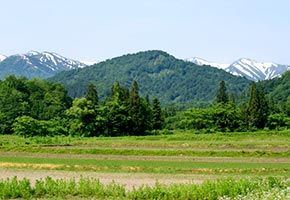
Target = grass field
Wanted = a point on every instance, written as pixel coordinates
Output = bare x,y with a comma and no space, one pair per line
181,158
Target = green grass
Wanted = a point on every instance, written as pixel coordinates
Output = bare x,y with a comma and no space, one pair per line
137,151
93,188
261,140
266,144
250,154
150,166
230,146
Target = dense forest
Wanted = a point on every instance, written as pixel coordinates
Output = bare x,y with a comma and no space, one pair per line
259,112
159,74
39,107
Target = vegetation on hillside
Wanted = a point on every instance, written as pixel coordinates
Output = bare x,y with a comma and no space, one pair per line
278,89
158,74
40,108
224,115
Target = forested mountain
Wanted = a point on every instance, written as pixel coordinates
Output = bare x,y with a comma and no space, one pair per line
159,74
35,64
278,89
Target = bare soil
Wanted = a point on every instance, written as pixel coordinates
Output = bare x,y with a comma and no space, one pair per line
159,158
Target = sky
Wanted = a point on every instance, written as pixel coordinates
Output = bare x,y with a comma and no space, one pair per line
95,30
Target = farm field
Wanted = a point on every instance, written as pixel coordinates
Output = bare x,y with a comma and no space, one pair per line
133,162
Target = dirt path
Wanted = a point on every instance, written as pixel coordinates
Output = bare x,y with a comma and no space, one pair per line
157,158
130,180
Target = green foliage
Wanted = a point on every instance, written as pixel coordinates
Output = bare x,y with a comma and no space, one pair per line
92,94
121,114
222,96
28,127
197,118
116,117
157,117
159,74
93,188
227,117
278,88
258,109
137,112
278,121
81,117
35,98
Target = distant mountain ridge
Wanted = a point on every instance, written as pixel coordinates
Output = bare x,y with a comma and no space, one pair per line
158,74
250,69
36,64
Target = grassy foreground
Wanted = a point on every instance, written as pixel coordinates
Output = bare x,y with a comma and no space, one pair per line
244,156
270,188
257,153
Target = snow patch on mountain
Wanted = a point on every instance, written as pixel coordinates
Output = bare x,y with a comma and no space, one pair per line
257,71
89,63
200,61
248,68
37,64
2,57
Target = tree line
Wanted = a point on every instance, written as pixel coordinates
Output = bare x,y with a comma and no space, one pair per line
38,107
259,112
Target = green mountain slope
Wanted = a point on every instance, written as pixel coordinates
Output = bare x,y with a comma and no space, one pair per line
278,88
158,74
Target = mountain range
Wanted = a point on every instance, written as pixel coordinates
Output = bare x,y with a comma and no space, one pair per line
35,64
252,70
158,74
47,64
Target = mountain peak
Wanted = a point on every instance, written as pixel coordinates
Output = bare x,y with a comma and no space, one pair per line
36,64
248,68
2,57
32,53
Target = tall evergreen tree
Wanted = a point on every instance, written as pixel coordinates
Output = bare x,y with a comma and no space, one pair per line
222,96
91,105
263,108
92,94
258,109
253,108
137,116
157,118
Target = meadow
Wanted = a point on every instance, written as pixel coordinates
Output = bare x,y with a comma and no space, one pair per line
181,165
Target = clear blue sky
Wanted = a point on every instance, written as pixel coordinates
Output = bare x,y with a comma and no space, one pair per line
216,30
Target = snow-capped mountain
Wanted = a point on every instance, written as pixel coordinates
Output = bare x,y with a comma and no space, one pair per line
36,64
2,57
256,71
248,68
200,61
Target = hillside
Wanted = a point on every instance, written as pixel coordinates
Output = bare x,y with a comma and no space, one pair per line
279,88
158,74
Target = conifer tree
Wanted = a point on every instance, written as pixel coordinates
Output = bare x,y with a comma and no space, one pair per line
263,108
92,94
253,108
91,105
258,109
222,96
137,116
157,118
